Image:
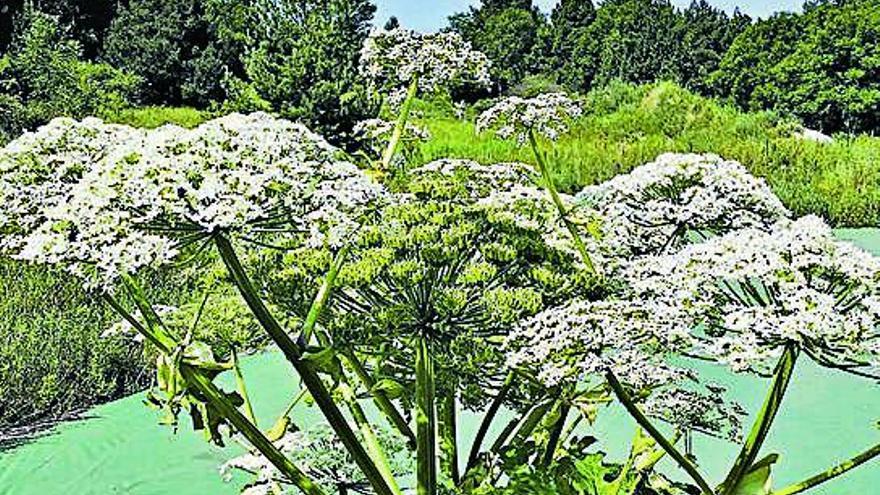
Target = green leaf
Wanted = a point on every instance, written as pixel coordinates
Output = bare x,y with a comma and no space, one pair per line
322,359
278,429
757,480
200,355
391,388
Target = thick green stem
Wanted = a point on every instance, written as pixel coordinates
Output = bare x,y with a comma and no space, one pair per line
532,422
200,382
426,442
381,399
489,417
320,300
830,474
658,437
156,333
557,200
761,427
556,434
400,125
308,375
371,441
449,437
505,434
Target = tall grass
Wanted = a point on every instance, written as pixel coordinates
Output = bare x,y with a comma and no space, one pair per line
53,360
627,125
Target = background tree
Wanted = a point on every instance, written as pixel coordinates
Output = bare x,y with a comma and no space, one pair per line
43,77
182,48
831,79
631,40
568,22
85,21
508,32
753,54
822,66
393,23
707,33
305,63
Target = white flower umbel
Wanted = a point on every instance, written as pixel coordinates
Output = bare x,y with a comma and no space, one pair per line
695,410
243,172
547,115
747,294
391,59
482,180
582,340
104,200
661,205
57,210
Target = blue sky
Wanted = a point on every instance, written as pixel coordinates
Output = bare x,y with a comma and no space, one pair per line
430,15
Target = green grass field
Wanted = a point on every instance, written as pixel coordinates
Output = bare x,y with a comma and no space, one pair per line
626,126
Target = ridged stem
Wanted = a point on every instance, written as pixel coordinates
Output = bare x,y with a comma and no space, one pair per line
307,374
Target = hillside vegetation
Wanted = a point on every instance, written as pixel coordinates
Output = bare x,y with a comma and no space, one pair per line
628,125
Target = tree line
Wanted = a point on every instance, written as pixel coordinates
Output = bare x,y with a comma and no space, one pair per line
300,58
821,65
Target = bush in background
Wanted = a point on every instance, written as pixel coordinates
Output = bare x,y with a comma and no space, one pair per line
305,62
822,66
42,77
181,48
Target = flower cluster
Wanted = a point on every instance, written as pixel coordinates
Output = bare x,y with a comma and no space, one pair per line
752,292
376,133
458,258
476,180
679,197
105,200
694,410
391,59
584,339
59,209
546,115
319,454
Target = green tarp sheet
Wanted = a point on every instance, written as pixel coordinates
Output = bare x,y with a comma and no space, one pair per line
119,448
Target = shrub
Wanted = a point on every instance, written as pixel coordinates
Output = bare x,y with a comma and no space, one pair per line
305,62
820,66
42,78
180,48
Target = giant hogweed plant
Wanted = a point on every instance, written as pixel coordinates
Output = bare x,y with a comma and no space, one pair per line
709,265
402,64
